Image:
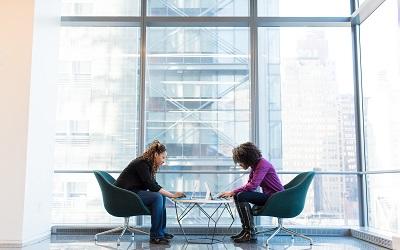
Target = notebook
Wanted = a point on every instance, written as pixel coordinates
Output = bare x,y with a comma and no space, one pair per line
193,195
209,195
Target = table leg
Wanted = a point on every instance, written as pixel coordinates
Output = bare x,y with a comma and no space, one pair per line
210,218
228,208
180,217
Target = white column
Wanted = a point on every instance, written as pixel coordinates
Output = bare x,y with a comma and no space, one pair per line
29,33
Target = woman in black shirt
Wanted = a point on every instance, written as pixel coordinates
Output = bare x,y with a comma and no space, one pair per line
139,177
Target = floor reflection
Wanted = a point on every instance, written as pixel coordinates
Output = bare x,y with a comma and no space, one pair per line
86,242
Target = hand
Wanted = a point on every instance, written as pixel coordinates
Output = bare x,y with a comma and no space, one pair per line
179,195
226,194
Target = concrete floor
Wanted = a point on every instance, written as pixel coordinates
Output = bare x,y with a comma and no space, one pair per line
86,242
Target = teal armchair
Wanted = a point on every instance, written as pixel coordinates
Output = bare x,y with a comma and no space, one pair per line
286,204
119,203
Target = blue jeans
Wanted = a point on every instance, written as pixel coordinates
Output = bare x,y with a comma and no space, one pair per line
156,202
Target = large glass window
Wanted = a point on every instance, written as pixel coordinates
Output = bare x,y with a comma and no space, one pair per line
383,202
100,8
198,8
97,105
381,90
304,8
380,54
306,103
197,99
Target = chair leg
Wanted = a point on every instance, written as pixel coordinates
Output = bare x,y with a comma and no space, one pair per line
133,230
291,232
108,231
120,236
123,229
277,230
267,231
273,235
298,234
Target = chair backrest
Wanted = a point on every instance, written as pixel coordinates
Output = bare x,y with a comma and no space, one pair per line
290,202
117,201
298,179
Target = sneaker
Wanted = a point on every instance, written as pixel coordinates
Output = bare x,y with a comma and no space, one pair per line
168,236
159,241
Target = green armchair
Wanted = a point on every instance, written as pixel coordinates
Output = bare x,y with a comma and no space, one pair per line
286,204
119,203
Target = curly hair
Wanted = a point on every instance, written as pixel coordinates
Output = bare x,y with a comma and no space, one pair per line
153,148
246,153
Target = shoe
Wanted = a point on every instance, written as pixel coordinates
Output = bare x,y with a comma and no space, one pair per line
168,236
238,235
159,241
248,236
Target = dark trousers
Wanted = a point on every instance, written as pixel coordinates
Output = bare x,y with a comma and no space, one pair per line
156,202
256,198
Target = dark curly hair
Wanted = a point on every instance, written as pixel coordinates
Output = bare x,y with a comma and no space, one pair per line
149,153
246,153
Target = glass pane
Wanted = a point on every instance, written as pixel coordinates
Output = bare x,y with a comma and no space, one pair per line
97,98
198,8
306,98
197,93
77,200
332,200
100,8
383,202
304,8
380,61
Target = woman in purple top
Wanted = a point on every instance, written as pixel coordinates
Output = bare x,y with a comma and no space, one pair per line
262,175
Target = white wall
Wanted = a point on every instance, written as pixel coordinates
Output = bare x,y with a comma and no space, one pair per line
28,56
42,110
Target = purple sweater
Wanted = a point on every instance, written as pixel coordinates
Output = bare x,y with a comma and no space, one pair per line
262,175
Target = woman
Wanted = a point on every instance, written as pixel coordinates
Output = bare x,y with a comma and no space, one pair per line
262,175
139,177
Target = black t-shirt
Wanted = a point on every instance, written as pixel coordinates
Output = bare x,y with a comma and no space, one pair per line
137,176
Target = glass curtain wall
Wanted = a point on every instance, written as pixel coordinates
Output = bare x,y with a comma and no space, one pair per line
198,89
380,65
97,115
197,102
306,74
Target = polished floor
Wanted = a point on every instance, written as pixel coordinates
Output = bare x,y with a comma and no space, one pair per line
69,242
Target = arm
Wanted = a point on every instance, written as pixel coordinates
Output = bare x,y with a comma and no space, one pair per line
232,193
254,180
171,195
226,194
142,169
152,184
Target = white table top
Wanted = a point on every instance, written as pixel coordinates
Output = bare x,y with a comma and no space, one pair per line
204,201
